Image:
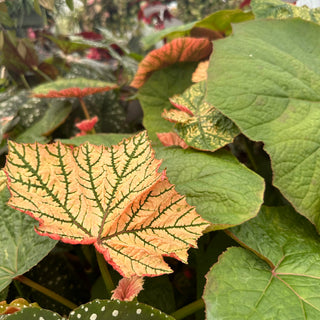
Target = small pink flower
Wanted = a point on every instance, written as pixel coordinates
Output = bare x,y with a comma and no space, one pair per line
128,288
86,125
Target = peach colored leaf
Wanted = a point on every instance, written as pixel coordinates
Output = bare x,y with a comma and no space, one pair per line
178,50
128,288
114,198
3,180
200,73
199,123
71,88
169,139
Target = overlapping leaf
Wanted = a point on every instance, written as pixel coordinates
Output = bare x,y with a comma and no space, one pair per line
198,123
218,23
279,279
97,309
266,78
178,50
154,95
224,191
277,9
71,88
113,198
21,247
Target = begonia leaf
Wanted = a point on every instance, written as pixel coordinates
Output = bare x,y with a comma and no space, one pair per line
54,116
107,139
278,9
154,95
21,247
19,55
279,279
15,306
225,192
266,78
127,289
178,50
3,180
114,198
95,310
169,139
199,123
71,88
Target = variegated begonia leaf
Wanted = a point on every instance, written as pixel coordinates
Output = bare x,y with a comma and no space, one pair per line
96,310
178,50
3,180
114,198
72,88
199,123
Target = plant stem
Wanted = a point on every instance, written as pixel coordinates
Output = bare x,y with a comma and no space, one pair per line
46,291
250,155
84,108
188,309
105,273
42,74
24,81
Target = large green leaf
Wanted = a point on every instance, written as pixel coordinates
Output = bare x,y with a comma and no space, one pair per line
21,247
279,279
154,95
278,9
199,123
225,192
266,78
97,309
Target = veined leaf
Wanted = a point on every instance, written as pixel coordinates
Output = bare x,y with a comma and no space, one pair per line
224,191
279,279
154,95
3,180
199,123
114,198
178,50
277,9
266,78
71,88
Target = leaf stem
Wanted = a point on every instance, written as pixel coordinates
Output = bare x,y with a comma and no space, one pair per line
188,309
46,291
24,81
105,274
84,108
42,74
86,113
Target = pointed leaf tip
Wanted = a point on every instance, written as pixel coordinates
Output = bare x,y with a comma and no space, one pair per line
114,198
128,288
